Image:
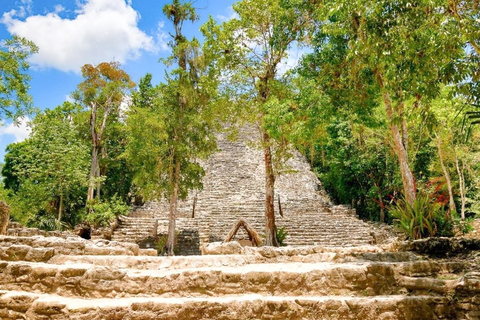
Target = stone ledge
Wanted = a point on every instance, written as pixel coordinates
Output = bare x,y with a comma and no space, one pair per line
442,247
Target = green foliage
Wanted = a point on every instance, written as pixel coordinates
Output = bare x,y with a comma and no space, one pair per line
43,222
425,218
161,244
14,98
281,235
102,213
116,171
465,226
172,123
46,174
355,166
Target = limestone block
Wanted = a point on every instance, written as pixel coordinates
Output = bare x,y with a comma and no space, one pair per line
40,254
16,252
232,247
48,310
148,252
17,303
132,247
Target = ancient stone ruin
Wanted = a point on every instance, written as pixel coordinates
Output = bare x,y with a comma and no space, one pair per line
234,188
331,270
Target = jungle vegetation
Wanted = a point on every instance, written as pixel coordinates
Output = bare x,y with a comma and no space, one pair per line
383,103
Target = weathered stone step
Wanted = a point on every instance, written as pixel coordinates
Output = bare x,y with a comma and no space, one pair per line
279,279
272,279
22,247
410,262
20,305
166,263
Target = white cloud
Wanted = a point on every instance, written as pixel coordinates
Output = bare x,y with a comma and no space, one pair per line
103,30
162,36
20,131
25,8
59,8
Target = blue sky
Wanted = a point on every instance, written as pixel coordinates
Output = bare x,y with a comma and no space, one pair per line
72,33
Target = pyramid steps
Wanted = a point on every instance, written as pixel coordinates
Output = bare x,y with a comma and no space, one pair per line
234,188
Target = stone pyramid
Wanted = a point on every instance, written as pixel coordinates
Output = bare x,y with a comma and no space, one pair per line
234,188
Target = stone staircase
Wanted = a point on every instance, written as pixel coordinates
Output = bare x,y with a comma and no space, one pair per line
135,227
234,189
72,278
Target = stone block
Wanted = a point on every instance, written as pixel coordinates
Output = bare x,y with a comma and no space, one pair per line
214,248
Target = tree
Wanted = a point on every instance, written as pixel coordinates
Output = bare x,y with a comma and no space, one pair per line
251,49
171,125
456,154
103,90
14,98
51,164
466,14
407,48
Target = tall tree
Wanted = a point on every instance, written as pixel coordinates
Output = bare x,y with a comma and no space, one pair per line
171,125
102,91
408,49
251,49
14,98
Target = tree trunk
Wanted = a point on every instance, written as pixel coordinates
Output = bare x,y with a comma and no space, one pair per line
461,181
464,192
401,152
96,145
173,209
93,173
60,210
4,217
98,182
408,180
94,164
270,236
451,203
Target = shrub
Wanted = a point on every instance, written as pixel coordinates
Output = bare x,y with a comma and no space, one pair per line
425,218
281,235
101,213
464,226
